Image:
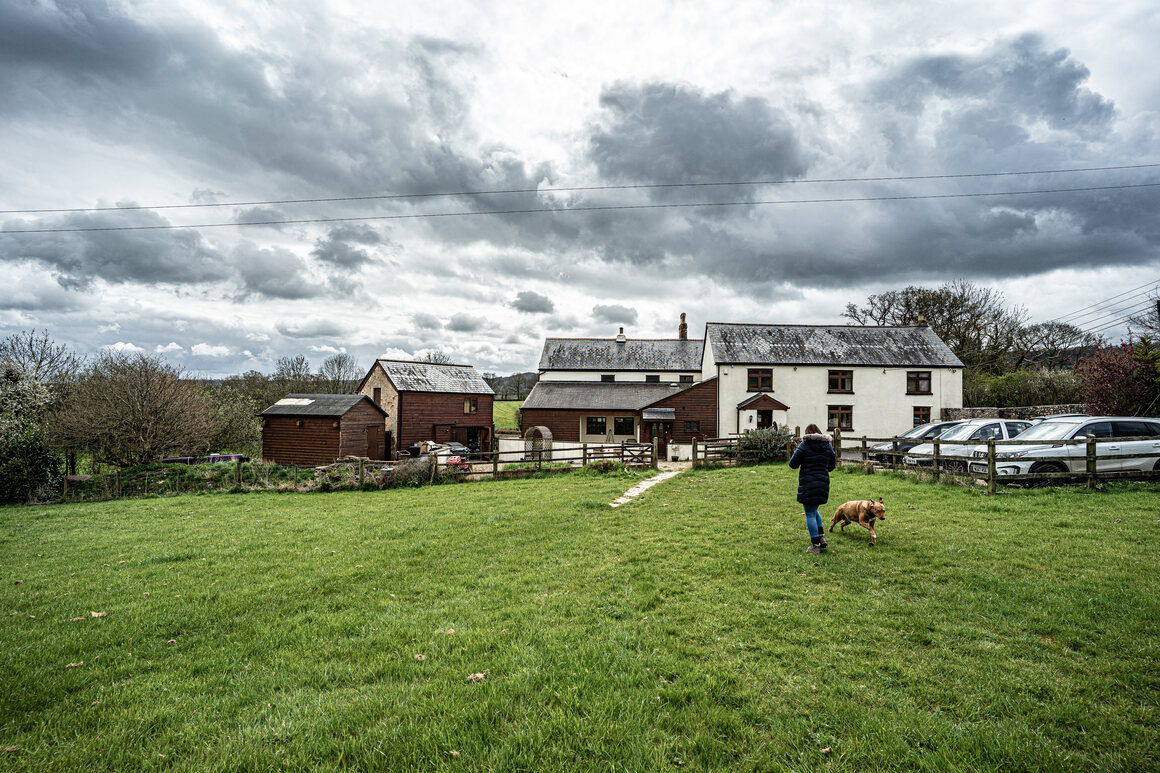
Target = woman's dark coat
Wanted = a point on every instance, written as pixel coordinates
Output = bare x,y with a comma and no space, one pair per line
815,457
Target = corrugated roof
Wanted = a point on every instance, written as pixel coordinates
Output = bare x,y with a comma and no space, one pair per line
828,345
326,406
598,396
434,377
659,354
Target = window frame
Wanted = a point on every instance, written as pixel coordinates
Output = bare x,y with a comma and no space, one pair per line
840,411
607,378
923,418
470,406
759,376
692,426
620,420
839,376
603,424
652,378
686,378
914,379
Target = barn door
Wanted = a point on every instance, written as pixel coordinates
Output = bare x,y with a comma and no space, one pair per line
375,442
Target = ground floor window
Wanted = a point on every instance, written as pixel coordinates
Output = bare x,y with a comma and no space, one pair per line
840,417
692,426
921,414
624,425
595,425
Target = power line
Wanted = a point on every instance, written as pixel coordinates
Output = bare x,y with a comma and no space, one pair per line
1105,310
1148,284
578,189
563,210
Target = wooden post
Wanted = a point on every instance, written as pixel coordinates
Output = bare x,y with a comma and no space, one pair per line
360,472
991,473
63,489
1091,463
495,464
434,466
894,453
654,453
694,453
539,459
865,451
118,481
583,454
937,472
295,476
838,444
238,472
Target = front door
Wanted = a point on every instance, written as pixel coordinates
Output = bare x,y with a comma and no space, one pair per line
764,419
662,433
375,448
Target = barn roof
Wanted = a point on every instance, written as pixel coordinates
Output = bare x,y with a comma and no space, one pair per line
323,406
656,354
598,396
828,345
410,376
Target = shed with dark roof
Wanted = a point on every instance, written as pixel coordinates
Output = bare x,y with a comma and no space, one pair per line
311,430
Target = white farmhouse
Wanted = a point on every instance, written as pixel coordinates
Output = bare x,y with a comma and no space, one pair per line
873,381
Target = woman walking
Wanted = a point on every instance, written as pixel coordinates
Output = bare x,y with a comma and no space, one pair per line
816,459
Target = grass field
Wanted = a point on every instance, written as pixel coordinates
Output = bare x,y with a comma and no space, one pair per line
504,413
688,630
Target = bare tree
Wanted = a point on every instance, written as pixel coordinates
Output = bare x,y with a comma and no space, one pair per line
293,375
40,357
1148,320
1053,345
339,374
436,357
127,409
973,321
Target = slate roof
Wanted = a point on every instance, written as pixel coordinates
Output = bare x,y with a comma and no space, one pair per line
656,354
828,345
434,377
598,396
325,406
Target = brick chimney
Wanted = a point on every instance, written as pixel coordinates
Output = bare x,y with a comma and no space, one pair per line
921,320
683,330
620,337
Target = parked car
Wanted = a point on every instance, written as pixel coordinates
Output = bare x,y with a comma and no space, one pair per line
1139,436
1054,416
880,452
954,456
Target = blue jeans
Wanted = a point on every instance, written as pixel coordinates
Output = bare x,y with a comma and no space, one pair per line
814,521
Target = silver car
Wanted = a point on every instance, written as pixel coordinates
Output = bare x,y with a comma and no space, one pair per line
954,456
1046,440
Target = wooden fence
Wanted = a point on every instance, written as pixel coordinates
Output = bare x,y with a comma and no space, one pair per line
987,465
503,464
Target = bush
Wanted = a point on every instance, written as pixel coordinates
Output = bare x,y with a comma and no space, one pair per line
1032,386
413,473
604,467
764,445
27,465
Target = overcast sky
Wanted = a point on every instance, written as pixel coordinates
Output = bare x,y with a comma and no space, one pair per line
118,104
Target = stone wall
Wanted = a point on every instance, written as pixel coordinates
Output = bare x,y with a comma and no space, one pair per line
1020,412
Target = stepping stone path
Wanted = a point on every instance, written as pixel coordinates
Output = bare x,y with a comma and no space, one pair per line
642,487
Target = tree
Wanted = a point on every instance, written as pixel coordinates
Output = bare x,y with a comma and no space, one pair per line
128,409
26,461
292,375
40,357
1118,381
971,320
236,425
1052,344
1148,320
437,357
339,374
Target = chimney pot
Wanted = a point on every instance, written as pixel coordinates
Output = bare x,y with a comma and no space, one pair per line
683,330
620,337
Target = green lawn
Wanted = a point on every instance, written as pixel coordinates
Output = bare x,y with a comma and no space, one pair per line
689,630
504,413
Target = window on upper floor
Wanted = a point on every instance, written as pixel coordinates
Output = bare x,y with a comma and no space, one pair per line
607,377
471,405
378,396
918,382
760,379
652,378
841,381
687,378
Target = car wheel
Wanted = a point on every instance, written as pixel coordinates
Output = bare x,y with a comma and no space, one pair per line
1156,467
1046,467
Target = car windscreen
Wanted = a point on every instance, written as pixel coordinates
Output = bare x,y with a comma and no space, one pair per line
961,432
919,431
1048,430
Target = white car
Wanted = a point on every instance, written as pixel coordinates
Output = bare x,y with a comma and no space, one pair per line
1045,440
954,456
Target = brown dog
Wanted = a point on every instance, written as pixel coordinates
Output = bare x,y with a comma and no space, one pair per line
863,512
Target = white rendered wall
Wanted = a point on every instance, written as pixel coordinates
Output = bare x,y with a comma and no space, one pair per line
666,377
881,406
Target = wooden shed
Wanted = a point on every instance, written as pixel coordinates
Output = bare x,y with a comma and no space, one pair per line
312,430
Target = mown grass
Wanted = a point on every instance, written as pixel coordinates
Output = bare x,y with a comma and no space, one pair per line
688,630
504,413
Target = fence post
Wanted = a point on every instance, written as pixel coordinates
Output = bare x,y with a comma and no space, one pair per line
990,465
934,463
1091,463
360,472
434,466
838,445
238,471
118,479
865,451
63,489
894,453
295,476
694,453
494,464
583,454
654,453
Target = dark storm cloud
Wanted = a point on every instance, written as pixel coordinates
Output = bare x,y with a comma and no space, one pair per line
465,323
256,215
530,302
614,313
664,133
338,248
275,273
164,256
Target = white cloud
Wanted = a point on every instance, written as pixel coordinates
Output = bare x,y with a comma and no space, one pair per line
112,327
123,346
328,349
172,346
208,350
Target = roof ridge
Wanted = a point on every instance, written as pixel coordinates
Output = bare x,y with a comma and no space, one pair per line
802,324
420,362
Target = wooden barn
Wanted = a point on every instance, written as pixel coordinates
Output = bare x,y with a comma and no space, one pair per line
312,430
432,401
